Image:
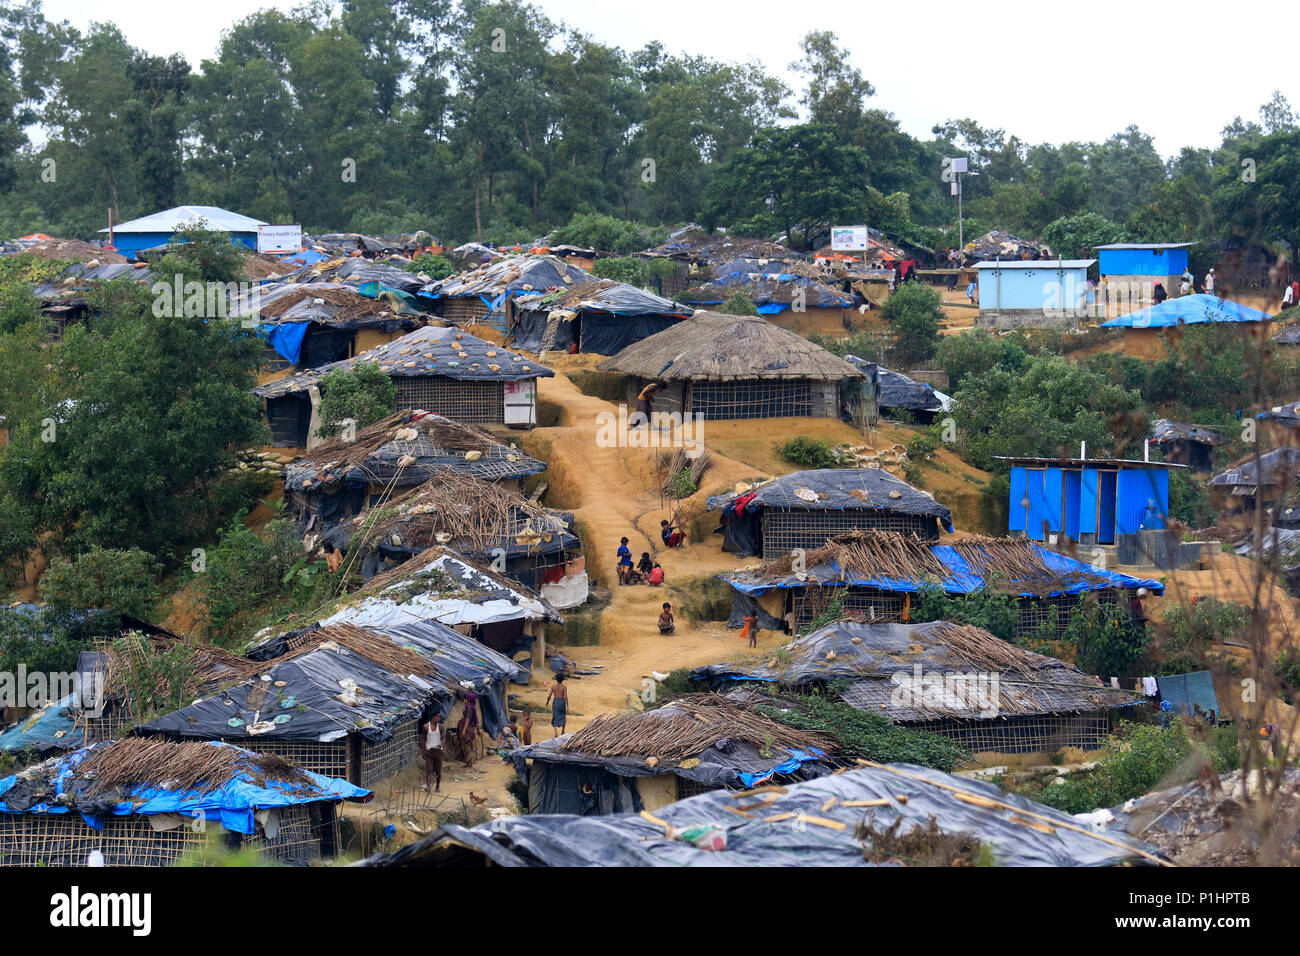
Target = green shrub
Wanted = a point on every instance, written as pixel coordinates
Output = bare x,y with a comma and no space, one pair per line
738,303
1107,638
996,612
630,269
915,314
808,452
435,267
921,446
364,392
104,579
1189,630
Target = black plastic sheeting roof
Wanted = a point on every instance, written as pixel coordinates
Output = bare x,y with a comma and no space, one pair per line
1163,430
511,274
443,352
769,292
80,272
840,489
1279,466
899,391
618,298
358,271
312,691
498,463
1018,831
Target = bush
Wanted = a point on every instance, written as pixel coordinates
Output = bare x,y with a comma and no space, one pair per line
1190,629
1107,638
1139,759
104,579
808,452
50,639
738,303
988,608
630,269
364,393
914,313
921,446
606,234
973,353
435,267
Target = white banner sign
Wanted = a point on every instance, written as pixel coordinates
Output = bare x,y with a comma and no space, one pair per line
848,238
279,238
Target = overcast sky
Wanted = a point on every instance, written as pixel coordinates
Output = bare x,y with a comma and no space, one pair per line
1048,72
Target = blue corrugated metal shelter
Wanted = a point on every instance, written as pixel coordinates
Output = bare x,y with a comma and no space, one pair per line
1156,259
1188,310
1091,501
149,231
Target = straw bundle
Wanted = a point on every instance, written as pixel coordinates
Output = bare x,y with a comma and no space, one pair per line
869,554
982,651
201,767
685,728
374,647
207,663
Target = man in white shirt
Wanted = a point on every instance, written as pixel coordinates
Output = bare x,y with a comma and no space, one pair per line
1209,282
1288,298
432,746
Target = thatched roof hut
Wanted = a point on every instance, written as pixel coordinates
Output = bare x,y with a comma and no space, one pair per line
145,803
735,366
876,573
917,676
626,762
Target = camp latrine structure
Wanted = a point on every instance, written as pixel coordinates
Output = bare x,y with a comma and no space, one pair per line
1258,480
952,679
530,543
481,295
148,803
1146,330
134,236
346,701
307,325
440,370
805,509
339,478
602,316
1032,293
1140,265
439,584
1186,444
787,299
719,366
630,762
875,575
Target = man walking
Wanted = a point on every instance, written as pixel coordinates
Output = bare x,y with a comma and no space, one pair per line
432,731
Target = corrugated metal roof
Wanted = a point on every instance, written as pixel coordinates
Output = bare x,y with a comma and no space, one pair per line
1090,462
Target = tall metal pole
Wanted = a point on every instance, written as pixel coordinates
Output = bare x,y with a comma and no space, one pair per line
961,237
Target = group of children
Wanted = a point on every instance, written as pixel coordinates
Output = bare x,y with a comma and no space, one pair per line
648,571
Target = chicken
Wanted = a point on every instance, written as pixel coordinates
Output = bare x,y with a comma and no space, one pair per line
477,799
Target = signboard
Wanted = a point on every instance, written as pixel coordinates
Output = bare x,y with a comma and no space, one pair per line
849,238
279,238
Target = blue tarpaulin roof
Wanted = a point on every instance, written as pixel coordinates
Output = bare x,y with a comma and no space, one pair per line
53,727
1187,310
55,787
1075,577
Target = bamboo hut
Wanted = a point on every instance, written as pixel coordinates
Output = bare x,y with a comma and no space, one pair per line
439,370
484,521
805,509
793,296
877,573
720,366
951,679
480,295
340,479
629,762
148,803
347,701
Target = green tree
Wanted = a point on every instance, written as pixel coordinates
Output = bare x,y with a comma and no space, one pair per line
977,352
106,579
914,313
363,393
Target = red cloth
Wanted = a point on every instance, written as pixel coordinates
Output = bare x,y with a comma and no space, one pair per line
551,575
657,576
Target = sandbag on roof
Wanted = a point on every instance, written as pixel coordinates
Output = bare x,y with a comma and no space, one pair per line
209,780
837,489
429,351
512,275
1017,831
377,454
